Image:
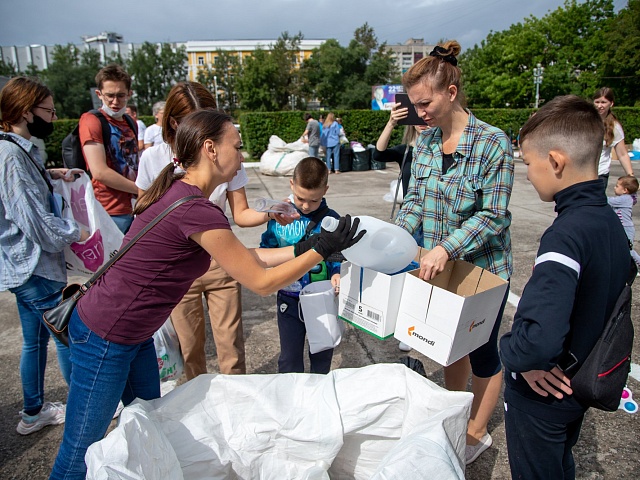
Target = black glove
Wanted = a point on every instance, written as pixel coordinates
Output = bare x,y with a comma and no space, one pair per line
343,237
305,245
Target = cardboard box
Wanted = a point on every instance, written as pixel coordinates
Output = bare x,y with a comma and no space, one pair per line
452,314
369,300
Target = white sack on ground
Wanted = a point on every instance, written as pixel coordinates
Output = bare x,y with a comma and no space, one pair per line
281,158
382,422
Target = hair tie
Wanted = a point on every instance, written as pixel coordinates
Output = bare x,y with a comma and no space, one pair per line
176,162
441,53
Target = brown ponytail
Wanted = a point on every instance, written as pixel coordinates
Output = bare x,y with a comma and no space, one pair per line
194,129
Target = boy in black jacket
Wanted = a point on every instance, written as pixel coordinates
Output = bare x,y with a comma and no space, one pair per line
580,269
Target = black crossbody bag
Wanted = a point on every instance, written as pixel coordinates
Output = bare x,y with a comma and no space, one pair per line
57,319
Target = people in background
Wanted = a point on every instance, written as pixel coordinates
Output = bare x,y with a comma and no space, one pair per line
311,135
132,111
330,140
153,134
113,168
603,99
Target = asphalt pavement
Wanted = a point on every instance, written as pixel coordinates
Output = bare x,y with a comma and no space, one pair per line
609,446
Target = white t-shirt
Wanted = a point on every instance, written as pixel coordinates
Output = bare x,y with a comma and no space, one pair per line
605,157
153,135
155,158
141,129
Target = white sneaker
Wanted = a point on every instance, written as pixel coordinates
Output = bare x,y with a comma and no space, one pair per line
474,451
51,414
404,347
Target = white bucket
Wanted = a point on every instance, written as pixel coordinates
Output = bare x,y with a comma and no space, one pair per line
319,305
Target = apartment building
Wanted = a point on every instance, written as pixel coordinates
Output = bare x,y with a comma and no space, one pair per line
203,54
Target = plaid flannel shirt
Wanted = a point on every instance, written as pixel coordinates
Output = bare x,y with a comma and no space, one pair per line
464,210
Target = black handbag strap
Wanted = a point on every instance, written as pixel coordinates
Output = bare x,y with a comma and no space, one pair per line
142,232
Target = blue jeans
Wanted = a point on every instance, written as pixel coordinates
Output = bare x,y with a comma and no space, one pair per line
123,222
34,298
335,151
103,373
292,338
313,151
539,449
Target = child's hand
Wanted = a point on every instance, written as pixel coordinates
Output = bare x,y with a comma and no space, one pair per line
554,382
335,281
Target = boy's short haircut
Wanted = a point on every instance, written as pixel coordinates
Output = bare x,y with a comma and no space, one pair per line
132,107
113,73
311,173
307,116
630,183
570,124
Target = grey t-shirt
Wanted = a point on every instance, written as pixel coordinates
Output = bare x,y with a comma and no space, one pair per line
314,133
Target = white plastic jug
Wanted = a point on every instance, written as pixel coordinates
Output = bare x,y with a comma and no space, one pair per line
385,248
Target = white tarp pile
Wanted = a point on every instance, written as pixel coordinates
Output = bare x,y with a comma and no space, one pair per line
281,158
379,422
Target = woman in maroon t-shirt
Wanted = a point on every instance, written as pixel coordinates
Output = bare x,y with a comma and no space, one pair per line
110,332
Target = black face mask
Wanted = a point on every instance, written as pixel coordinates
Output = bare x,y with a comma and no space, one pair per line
40,128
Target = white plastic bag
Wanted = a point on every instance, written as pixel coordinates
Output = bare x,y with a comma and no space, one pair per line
636,145
85,258
281,158
170,362
393,186
319,304
367,423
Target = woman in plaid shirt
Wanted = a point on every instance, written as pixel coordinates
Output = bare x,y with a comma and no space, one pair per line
461,181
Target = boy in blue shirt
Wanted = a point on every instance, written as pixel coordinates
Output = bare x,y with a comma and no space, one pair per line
580,269
309,184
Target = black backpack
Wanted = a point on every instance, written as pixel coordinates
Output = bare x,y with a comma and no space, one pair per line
602,376
72,155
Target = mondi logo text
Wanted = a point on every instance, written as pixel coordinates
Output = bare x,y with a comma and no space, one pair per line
474,324
412,333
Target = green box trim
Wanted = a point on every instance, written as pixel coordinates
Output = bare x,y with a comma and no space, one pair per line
364,329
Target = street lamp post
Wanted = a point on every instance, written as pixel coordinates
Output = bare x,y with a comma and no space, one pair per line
537,80
215,88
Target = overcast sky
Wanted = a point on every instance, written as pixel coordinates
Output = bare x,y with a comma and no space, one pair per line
27,22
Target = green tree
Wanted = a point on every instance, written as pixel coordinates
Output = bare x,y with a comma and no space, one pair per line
342,77
567,42
256,86
621,55
226,70
270,77
71,77
154,70
7,69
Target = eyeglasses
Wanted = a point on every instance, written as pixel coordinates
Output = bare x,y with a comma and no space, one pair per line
113,96
51,111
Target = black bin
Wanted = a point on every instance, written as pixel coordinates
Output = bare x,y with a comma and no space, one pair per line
361,161
346,158
374,164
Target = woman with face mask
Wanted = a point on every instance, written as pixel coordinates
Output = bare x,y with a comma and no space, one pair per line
32,239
